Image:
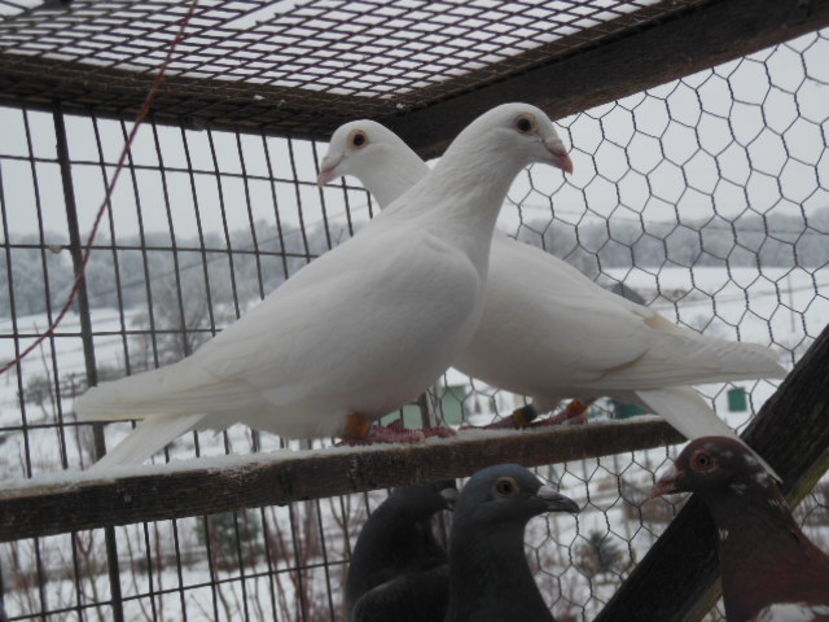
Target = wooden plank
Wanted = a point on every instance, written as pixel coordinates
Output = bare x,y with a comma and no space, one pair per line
658,53
678,578
73,503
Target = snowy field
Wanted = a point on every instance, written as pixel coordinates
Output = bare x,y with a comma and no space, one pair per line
780,308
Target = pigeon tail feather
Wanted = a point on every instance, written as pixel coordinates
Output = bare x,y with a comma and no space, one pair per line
124,398
686,411
149,436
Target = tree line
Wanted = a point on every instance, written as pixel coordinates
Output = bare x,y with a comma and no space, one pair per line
247,264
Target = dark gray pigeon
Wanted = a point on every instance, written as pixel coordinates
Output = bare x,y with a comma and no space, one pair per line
771,572
398,569
490,580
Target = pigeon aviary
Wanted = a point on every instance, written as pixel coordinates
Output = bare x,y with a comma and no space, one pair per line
278,276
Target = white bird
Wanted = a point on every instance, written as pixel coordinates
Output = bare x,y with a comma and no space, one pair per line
549,332
361,330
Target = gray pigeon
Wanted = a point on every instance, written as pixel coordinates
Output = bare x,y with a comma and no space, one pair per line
490,580
398,569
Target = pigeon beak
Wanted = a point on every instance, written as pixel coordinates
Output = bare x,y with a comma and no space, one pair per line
450,495
667,484
328,171
555,501
560,157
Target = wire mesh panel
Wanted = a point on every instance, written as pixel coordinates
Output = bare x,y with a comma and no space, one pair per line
294,67
707,198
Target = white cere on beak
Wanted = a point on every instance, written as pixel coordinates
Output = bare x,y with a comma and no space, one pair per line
548,493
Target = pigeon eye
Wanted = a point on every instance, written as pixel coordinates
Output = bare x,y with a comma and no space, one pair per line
703,461
524,124
358,138
506,487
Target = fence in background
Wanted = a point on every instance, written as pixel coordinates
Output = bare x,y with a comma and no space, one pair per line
707,197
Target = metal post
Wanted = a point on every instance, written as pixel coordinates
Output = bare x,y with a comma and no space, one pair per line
76,250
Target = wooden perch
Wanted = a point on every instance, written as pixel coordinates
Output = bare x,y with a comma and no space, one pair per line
679,577
39,509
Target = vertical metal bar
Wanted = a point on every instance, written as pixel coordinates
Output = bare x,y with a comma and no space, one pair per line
58,403
206,271
277,218
20,388
321,193
302,228
326,563
76,250
225,228
119,290
269,560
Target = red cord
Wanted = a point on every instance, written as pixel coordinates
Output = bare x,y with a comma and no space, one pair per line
142,115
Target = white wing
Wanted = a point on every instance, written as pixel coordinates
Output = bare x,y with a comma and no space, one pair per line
547,327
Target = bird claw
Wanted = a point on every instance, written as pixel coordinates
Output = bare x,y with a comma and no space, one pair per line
573,414
380,434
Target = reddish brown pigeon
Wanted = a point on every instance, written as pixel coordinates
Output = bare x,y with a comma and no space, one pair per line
770,571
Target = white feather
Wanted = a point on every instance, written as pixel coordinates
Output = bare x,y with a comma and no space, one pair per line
150,436
549,332
364,328
686,411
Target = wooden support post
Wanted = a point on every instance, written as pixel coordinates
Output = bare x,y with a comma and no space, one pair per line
678,580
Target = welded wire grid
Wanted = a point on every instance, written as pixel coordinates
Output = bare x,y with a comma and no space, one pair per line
706,197
292,66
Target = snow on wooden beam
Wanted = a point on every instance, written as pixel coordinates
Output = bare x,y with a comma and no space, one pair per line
70,501
679,577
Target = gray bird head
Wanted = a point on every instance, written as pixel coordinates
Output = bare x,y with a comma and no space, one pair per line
426,499
509,493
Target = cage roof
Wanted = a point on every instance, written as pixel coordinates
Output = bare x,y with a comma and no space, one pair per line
302,68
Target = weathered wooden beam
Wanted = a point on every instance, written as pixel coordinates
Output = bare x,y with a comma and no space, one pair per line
70,501
678,578
657,53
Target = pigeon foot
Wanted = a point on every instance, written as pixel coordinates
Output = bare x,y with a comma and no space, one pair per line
440,431
360,431
519,419
573,414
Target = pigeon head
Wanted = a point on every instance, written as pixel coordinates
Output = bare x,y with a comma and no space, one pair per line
368,151
508,493
522,130
425,499
712,465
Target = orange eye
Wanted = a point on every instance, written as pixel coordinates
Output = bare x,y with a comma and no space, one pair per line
703,461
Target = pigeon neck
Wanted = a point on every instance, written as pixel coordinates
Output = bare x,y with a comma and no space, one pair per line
395,177
489,578
763,552
464,194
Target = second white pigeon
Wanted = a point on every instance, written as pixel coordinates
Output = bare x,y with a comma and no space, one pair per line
549,332
361,330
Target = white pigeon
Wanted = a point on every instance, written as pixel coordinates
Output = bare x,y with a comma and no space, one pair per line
549,332
361,330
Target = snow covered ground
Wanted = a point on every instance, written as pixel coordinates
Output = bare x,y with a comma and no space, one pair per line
779,308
